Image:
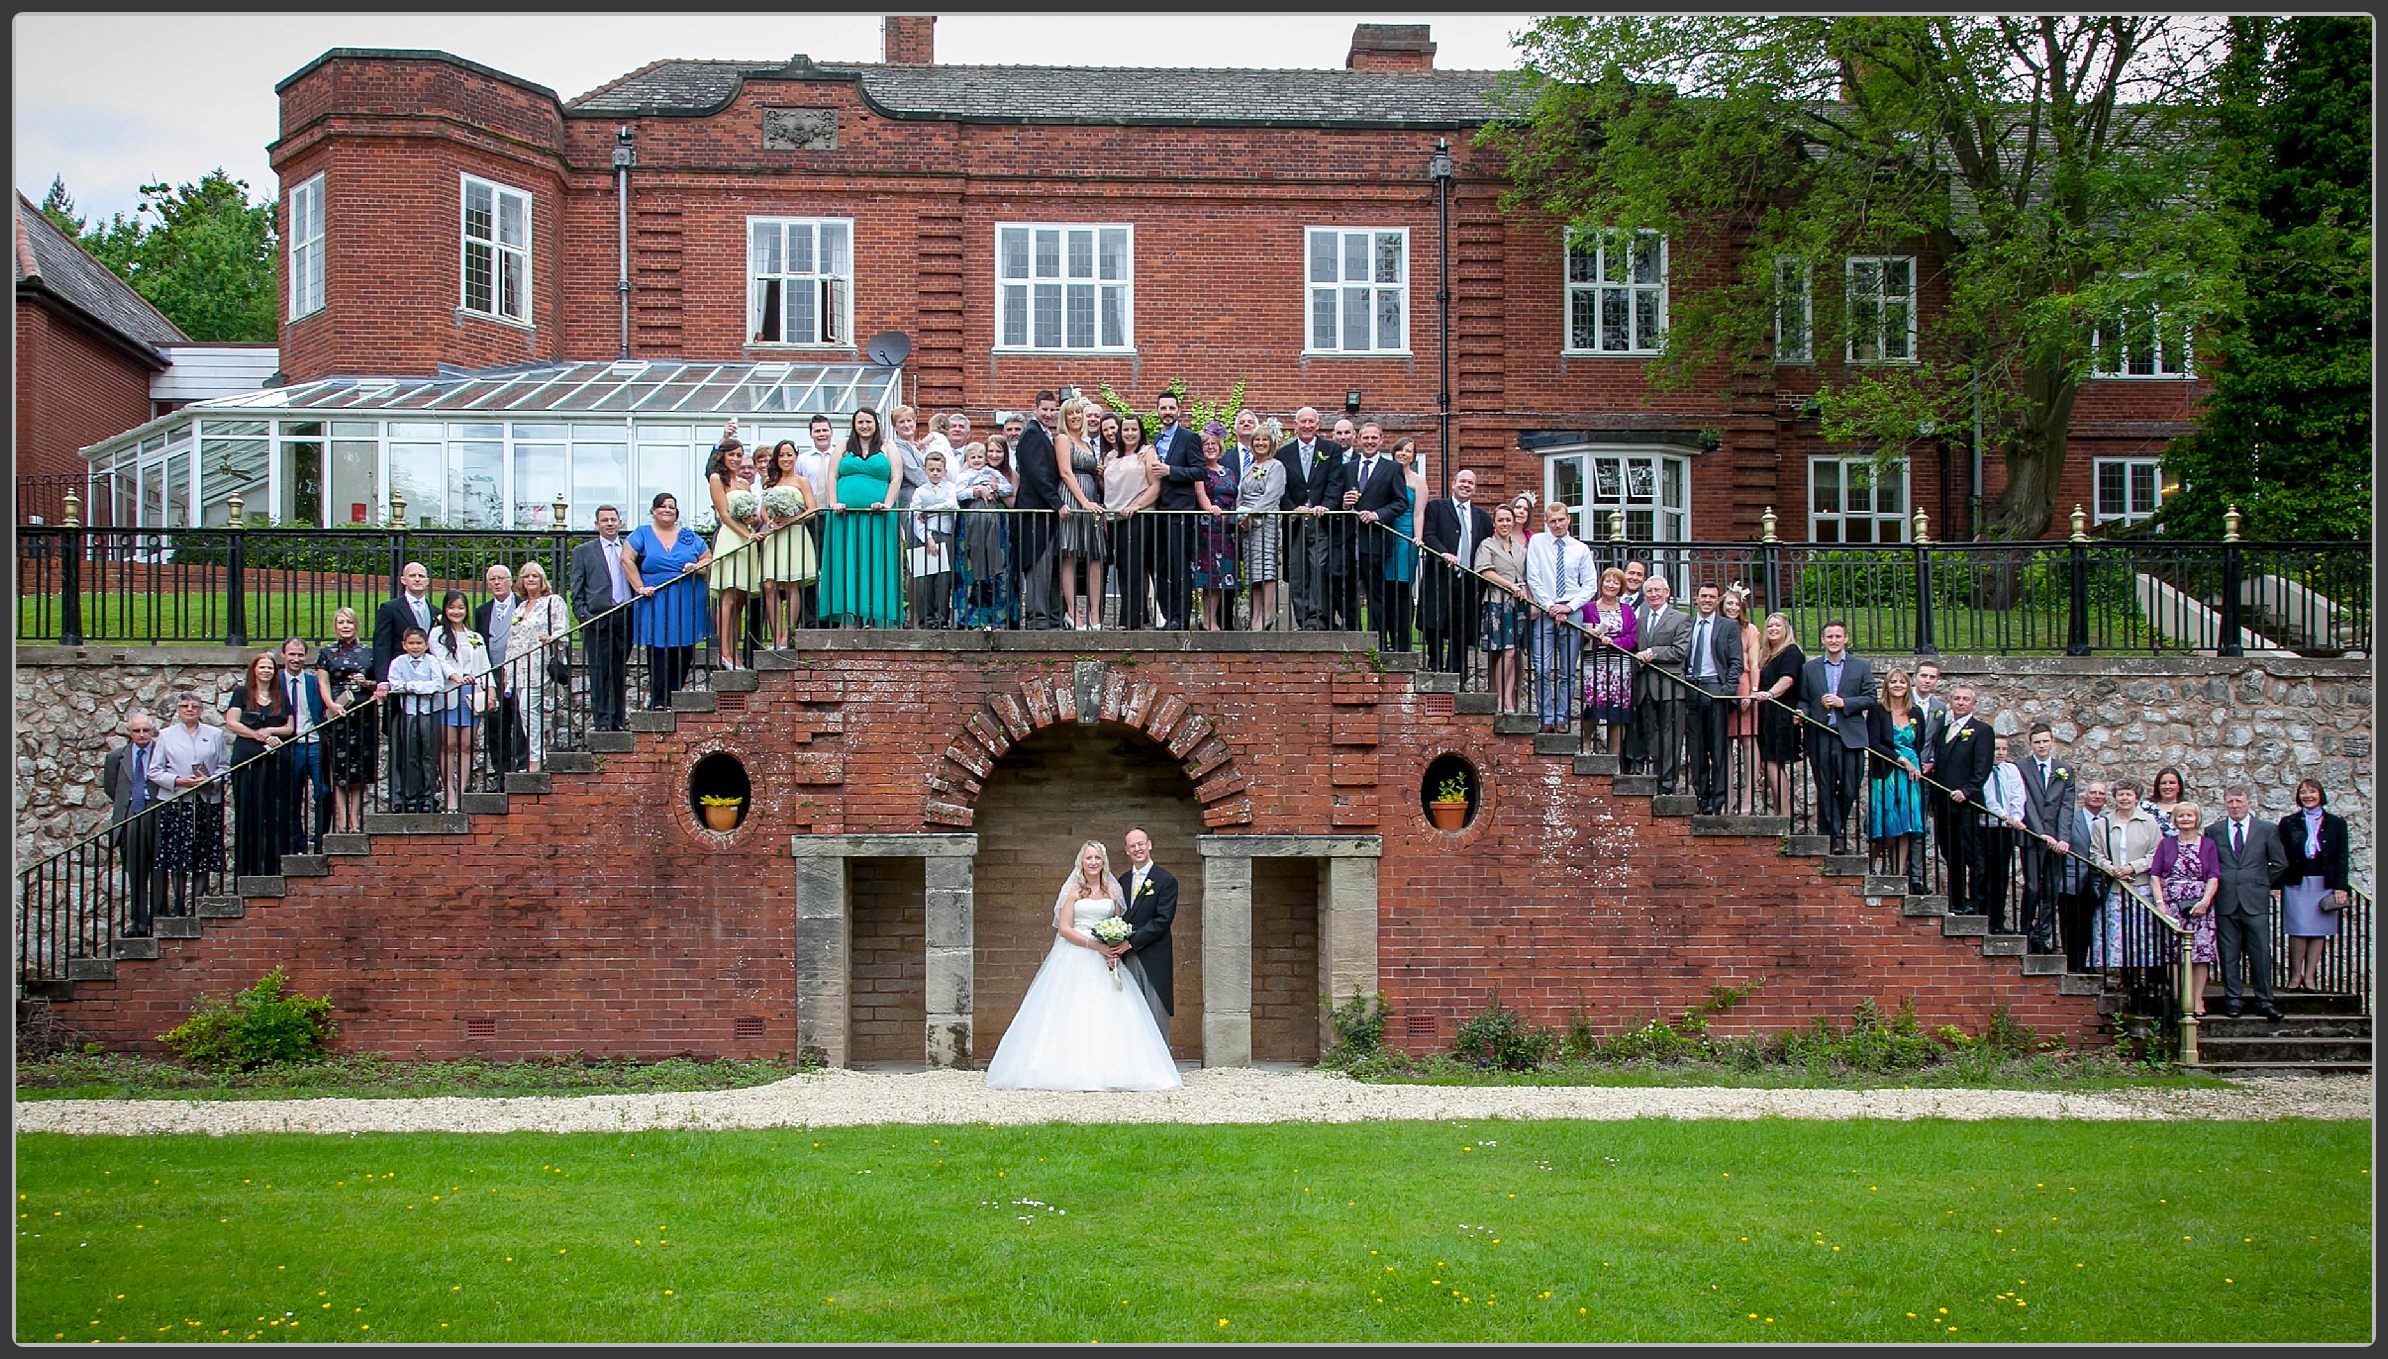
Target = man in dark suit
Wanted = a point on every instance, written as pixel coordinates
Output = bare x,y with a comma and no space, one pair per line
1040,501
2085,887
1962,764
1713,665
1377,495
1180,451
1343,538
1451,530
1152,905
1935,710
2253,863
1663,633
411,607
595,588
2048,806
1840,688
124,781
504,743
1314,484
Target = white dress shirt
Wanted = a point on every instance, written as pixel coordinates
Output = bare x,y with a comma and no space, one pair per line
1559,570
2003,790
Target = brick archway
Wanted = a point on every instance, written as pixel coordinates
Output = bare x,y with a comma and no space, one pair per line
1088,692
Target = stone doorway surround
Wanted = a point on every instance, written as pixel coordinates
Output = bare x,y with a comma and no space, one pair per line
825,926
1346,924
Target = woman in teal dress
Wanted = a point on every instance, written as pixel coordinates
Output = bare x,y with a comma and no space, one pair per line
1401,548
1894,798
862,583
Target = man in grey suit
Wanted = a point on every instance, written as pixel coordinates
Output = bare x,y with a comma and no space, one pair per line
1664,633
2248,848
124,780
2048,815
1713,665
597,585
1840,688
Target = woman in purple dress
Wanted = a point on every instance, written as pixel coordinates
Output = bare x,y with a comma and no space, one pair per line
1215,547
2188,869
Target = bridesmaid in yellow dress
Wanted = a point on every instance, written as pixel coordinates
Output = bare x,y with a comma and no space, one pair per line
734,573
789,560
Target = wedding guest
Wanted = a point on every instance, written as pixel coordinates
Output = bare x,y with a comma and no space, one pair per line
1131,484
1379,495
464,657
817,464
791,560
657,561
1178,517
189,768
352,745
2165,793
540,619
1451,600
1777,699
502,745
1314,484
905,451
985,585
1895,803
2127,851
1507,609
1559,576
1258,498
1741,722
735,570
935,508
2315,888
1398,534
861,571
1215,545
2187,869
2249,861
957,433
416,682
1608,677
308,792
1839,687
2084,884
124,782
259,720
1082,536
2003,802
1936,804
599,590
1040,455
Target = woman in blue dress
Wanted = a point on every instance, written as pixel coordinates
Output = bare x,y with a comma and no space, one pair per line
1894,799
658,562
1216,548
862,582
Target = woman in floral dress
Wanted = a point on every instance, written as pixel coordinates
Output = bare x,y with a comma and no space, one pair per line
2189,869
1215,545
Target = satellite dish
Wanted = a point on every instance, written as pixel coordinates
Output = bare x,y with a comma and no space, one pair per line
889,348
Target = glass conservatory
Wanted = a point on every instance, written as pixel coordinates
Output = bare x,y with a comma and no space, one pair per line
488,449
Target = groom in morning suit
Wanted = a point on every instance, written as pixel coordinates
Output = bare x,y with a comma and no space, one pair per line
1152,904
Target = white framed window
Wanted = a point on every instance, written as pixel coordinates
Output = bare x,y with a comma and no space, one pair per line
1857,500
2126,490
2144,341
1616,292
1794,312
304,230
497,251
1881,295
1065,286
1359,290
1652,490
800,280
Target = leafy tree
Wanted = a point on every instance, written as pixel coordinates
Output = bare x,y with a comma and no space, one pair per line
2054,166
202,254
2287,428
59,206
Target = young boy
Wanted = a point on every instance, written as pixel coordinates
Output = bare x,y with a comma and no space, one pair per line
416,682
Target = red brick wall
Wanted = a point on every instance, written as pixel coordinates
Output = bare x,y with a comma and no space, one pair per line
598,918
889,996
73,389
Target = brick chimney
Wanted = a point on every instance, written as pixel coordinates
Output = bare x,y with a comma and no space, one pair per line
911,39
1388,47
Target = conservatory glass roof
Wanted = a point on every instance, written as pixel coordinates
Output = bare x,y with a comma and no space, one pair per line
636,387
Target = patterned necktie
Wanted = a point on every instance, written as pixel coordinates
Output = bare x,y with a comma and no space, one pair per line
140,777
2237,842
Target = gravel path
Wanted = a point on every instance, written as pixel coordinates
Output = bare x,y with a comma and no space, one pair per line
835,1098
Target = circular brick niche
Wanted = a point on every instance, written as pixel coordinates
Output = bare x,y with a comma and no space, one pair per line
719,774
1447,766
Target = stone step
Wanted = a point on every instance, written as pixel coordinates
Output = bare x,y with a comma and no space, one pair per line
612,743
2007,946
2074,983
1808,844
125,946
221,908
1596,764
1474,705
1844,865
644,720
417,823
305,866
1557,743
1674,804
1923,906
347,843
2292,1026
733,682
175,927
1516,724
697,700
481,804
1434,682
2299,1002
573,761
2043,965
260,886
1400,660
2282,1068
528,785
1957,926
90,969
2231,1048
790,659
1879,885
1741,825
1634,785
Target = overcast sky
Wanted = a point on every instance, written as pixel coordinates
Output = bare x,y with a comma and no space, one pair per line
112,101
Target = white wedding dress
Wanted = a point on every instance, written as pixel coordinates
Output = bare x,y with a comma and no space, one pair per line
1080,1029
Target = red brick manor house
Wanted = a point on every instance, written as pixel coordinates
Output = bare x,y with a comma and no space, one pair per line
1029,227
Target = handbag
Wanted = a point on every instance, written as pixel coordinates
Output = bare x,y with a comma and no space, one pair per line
559,670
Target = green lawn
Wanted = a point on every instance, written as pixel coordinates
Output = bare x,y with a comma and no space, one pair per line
1487,1231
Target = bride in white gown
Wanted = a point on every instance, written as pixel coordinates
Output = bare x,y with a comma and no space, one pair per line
1084,1024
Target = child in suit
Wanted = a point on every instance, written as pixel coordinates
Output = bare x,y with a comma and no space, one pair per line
417,680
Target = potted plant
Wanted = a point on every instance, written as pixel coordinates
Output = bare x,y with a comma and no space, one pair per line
721,813
1449,809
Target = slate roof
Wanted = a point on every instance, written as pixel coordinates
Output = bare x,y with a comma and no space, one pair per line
1069,94
50,262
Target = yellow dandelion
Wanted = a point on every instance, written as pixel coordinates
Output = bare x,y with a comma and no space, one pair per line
1222,1321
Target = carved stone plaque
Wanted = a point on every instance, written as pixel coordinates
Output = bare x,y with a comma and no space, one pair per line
800,129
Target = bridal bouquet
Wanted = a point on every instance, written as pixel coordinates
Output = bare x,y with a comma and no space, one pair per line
783,503
744,505
1112,930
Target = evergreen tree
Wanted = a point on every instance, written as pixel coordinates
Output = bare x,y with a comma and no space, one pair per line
59,206
2286,434
202,254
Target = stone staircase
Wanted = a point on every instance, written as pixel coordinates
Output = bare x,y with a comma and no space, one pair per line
2315,1033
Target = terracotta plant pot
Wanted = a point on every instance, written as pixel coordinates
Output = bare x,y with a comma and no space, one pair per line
1449,816
722,818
